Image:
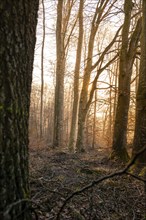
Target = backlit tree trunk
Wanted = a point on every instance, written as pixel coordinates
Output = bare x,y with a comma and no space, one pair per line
63,37
76,80
87,73
86,96
127,56
18,21
59,88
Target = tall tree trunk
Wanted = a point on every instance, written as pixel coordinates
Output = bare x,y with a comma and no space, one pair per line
140,125
42,73
127,55
84,92
86,97
76,80
18,21
59,89
62,40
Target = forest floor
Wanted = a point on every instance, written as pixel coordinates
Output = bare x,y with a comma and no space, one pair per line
55,175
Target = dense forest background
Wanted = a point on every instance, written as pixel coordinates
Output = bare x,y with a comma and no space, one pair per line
86,75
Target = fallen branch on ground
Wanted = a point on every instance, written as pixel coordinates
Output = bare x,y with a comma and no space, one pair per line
95,182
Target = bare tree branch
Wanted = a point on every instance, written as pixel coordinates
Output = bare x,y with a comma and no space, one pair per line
106,49
96,78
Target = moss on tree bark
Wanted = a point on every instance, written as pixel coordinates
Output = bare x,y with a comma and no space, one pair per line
18,21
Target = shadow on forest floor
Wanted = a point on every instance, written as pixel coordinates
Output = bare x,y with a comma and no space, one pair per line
54,175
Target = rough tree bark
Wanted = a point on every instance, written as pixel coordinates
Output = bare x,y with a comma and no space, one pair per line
127,56
140,126
18,21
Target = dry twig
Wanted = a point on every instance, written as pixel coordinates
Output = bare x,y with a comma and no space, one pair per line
95,182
